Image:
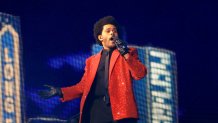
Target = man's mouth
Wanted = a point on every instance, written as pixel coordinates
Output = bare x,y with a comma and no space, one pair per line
112,39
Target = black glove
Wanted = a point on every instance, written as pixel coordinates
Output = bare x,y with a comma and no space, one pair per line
121,46
51,92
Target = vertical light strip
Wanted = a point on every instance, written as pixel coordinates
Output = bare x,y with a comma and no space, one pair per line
16,71
148,91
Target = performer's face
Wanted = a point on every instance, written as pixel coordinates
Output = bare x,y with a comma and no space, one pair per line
108,32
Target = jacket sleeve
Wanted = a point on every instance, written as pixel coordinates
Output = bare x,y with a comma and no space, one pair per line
75,91
137,69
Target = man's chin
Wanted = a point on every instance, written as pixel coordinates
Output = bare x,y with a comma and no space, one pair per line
112,46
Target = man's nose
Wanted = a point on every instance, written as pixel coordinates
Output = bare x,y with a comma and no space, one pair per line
111,32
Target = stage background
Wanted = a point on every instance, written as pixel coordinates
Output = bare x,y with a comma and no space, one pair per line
55,30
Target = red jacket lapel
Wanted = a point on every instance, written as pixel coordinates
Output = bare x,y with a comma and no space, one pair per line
113,60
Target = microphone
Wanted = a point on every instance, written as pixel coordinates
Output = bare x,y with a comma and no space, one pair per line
116,40
121,45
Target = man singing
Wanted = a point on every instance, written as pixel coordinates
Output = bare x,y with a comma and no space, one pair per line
106,86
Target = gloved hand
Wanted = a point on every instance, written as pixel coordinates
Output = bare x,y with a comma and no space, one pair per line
121,46
50,92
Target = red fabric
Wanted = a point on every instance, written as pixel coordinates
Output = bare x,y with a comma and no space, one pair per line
121,73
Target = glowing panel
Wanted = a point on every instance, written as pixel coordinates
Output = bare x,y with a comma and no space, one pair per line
10,72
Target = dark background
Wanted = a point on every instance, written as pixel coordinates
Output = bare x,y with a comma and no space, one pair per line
189,28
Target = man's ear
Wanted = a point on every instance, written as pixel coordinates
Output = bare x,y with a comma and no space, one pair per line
100,37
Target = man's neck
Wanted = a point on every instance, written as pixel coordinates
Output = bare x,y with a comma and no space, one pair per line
109,49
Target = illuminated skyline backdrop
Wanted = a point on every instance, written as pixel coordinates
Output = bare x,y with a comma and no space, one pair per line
11,70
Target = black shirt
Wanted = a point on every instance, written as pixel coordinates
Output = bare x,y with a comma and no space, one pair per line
96,110
98,87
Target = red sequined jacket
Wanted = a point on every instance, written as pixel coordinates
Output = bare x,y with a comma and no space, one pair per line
121,73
